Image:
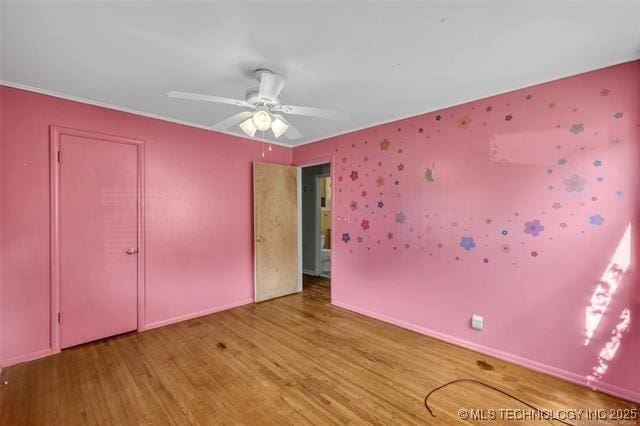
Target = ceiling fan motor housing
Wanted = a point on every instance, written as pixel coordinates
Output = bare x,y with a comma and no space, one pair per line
252,97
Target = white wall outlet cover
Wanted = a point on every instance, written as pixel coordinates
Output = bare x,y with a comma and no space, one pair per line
477,322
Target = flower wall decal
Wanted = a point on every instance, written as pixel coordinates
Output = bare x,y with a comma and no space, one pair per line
533,227
429,175
400,217
596,219
575,183
463,122
577,128
467,243
345,237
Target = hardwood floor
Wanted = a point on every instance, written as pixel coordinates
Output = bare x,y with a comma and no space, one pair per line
294,360
316,280
316,288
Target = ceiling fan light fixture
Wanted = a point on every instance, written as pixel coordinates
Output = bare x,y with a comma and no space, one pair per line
262,120
279,127
248,127
260,101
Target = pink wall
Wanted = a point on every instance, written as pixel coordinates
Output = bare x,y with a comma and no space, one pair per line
524,223
198,215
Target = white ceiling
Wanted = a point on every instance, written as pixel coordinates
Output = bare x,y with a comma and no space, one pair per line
378,61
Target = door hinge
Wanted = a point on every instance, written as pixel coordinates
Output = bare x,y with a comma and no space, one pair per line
59,156
59,317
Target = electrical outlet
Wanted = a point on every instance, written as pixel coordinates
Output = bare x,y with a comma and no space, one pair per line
477,322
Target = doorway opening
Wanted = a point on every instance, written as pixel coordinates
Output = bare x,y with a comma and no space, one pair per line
316,227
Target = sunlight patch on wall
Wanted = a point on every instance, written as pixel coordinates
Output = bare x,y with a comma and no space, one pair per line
608,351
609,282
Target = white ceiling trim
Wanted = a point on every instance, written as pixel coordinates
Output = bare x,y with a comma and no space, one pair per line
130,111
291,145
475,99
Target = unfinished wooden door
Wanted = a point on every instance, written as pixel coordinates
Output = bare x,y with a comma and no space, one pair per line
275,227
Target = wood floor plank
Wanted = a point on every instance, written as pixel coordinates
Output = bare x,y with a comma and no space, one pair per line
295,360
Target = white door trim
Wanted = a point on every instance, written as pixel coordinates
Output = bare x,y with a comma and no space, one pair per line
318,218
329,160
299,236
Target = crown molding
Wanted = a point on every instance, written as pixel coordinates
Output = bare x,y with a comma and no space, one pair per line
130,111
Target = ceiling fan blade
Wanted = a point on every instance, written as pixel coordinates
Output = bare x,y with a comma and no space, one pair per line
270,85
232,121
292,133
208,98
313,112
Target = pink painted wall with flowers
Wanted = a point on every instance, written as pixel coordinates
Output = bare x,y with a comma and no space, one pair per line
521,207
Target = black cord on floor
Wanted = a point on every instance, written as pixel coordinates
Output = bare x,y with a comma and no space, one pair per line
426,398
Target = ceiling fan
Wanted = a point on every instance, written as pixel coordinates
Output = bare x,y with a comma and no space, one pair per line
266,107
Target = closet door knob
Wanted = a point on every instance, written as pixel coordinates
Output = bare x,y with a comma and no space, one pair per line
132,251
